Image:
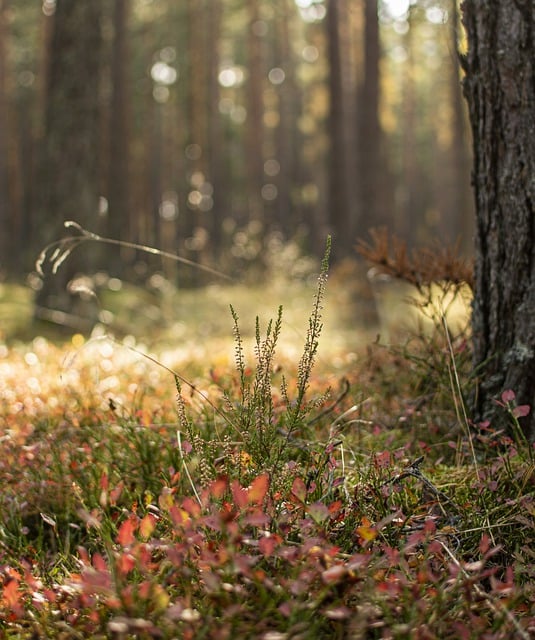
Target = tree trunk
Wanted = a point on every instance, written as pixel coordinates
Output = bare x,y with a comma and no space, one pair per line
339,206
500,90
217,171
5,226
372,176
255,112
461,226
118,189
69,164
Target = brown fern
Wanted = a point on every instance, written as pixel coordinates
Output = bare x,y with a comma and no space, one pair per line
419,267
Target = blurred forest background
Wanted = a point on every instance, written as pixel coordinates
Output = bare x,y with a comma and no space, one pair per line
223,130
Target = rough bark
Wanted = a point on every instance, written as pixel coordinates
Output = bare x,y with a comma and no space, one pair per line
500,90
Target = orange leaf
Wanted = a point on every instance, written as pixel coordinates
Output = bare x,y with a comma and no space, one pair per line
180,517
258,489
192,507
219,487
125,563
147,525
239,494
11,593
366,532
125,536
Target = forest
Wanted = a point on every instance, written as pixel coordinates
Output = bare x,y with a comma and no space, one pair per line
215,129
267,333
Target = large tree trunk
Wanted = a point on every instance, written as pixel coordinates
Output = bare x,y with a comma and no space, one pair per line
69,164
500,89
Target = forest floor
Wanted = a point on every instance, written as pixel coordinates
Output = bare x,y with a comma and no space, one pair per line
184,472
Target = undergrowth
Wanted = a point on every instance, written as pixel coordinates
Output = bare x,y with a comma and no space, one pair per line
264,505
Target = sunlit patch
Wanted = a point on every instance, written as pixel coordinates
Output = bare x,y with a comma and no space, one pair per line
31,359
272,167
271,119
162,73
231,77
397,8
33,385
310,53
436,15
106,349
161,94
49,7
269,192
77,340
106,365
168,209
276,76
103,206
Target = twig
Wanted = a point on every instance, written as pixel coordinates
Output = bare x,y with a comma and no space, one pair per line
57,252
413,470
179,440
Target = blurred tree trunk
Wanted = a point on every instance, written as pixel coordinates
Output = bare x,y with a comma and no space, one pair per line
371,166
286,132
118,169
217,169
69,171
462,208
254,156
500,90
6,238
406,196
339,206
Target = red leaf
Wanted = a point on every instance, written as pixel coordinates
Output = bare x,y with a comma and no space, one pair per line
239,495
191,506
521,411
99,563
104,481
382,459
268,544
219,487
508,395
258,489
